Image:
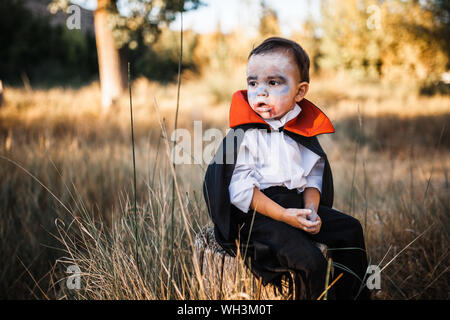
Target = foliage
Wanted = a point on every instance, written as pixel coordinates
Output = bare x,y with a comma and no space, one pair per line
160,61
385,39
146,18
268,25
43,53
143,20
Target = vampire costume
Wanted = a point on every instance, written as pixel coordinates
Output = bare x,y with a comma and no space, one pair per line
274,248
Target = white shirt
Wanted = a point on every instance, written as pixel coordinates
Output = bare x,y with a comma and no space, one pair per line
268,159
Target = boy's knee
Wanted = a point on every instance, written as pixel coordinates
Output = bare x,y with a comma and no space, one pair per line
356,230
357,227
317,264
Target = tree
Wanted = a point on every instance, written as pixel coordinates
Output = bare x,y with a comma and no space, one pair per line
115,33
111,58
395,39
268,25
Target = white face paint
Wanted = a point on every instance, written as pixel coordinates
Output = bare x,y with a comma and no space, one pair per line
273,84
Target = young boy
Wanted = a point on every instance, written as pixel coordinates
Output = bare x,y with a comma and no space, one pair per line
266,187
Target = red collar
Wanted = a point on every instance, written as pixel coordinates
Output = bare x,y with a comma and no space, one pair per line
311,122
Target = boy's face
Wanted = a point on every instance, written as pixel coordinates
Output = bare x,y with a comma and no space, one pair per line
273,84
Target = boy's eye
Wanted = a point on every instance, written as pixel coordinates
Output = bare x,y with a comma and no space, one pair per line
273,82
252,83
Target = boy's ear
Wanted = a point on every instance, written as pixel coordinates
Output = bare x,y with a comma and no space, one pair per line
302,90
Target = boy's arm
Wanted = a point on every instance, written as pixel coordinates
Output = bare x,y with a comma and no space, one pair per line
311,196
292,216
263,204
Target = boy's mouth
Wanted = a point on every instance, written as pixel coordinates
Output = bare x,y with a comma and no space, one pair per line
262,107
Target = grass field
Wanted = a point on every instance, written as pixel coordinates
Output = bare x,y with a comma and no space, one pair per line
67,196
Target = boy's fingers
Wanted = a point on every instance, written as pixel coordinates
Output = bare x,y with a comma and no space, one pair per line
317,219
313,229
310,229
303,212
308,223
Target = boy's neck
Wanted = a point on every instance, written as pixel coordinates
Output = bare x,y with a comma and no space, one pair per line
289,115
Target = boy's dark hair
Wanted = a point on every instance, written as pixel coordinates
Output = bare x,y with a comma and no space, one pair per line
299,55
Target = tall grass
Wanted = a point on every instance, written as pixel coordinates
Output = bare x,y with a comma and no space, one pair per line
399,191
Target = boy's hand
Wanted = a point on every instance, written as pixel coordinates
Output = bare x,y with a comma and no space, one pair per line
298,218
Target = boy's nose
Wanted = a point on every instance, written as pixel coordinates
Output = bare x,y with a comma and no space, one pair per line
262,92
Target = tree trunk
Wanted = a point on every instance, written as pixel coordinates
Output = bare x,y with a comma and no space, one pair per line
1,93
226,277
112,69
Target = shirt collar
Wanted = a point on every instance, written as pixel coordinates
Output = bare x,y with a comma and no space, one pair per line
291,114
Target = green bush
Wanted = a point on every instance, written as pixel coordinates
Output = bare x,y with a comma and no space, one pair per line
46,54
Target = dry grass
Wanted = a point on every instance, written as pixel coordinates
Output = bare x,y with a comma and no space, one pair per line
397,185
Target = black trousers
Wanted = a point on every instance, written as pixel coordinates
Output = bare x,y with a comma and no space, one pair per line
274,248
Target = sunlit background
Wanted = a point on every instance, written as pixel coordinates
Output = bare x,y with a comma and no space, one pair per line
236,14
379,70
